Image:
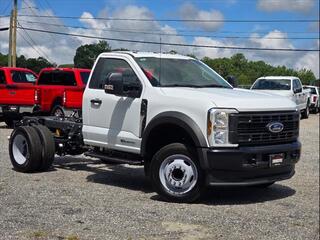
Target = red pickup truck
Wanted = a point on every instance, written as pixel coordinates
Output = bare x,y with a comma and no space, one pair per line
45,95
55,84
17,90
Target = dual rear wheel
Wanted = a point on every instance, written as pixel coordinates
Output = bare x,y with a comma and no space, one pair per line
31,148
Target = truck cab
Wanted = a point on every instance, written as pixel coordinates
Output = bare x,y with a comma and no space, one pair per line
16,92
178,118
55,85
289,87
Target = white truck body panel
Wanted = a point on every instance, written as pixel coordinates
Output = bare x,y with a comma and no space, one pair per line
300,98
113,124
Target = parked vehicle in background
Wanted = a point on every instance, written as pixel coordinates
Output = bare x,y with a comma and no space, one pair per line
55,85
17,89
290,87
72,97
314,98
181,120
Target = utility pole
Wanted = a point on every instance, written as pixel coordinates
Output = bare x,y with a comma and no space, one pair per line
12,58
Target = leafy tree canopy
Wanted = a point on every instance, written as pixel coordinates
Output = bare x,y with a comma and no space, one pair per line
87,54
34,64
246,72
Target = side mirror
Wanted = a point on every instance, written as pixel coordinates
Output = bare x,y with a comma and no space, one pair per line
114,84
297,90
232,81
131,84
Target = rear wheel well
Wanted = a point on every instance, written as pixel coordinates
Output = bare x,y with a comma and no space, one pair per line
57,101
165,134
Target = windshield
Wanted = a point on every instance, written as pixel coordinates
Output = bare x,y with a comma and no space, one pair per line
180,73
272,84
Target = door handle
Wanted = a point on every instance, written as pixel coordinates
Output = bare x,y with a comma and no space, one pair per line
96,101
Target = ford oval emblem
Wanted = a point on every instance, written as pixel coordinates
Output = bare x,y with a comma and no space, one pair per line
275,127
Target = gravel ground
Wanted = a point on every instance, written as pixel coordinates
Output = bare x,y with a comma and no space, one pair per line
85,199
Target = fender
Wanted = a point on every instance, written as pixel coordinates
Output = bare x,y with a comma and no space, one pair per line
179,119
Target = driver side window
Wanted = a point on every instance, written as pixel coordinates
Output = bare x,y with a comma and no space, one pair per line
295,85
106,66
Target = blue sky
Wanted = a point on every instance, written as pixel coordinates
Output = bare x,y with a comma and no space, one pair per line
178,9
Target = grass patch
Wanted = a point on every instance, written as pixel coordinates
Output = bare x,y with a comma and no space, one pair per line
72,237
38,235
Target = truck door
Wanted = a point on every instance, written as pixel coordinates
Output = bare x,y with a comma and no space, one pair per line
2,87
297,94
21,90
301,97
108,120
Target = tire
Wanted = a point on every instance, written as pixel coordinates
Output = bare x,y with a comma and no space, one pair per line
48,147
57,111
9,123
146,169
305,113
181,164
25,150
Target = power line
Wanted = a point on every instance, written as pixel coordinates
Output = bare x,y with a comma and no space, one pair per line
189,30
30,44
184,20
34,43
6,8
35,14
174,44
168,34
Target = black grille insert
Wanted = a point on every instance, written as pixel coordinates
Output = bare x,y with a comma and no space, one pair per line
251,128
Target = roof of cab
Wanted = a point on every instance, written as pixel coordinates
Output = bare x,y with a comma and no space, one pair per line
278,77
16,69
66,69
145,54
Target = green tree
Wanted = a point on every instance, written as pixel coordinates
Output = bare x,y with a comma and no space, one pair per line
87,54
34,64
247,72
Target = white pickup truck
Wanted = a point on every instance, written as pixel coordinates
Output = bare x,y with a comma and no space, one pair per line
314,98
178,118
290,87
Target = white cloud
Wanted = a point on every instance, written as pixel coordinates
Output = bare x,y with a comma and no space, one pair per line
61,49
302,6
309,60
189,11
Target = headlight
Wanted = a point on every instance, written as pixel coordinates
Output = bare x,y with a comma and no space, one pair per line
218,127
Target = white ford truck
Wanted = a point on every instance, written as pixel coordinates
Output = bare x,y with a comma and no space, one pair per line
178,118
289,87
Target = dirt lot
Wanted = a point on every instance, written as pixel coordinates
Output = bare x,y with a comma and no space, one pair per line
85,199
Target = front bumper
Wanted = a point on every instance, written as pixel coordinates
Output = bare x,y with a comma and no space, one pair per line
249,165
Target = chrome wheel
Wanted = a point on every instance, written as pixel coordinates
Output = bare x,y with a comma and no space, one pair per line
20,149
178,174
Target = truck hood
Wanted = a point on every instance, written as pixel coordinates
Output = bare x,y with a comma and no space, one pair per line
240,99
284,93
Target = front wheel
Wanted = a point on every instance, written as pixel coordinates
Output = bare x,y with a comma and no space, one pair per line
176,173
